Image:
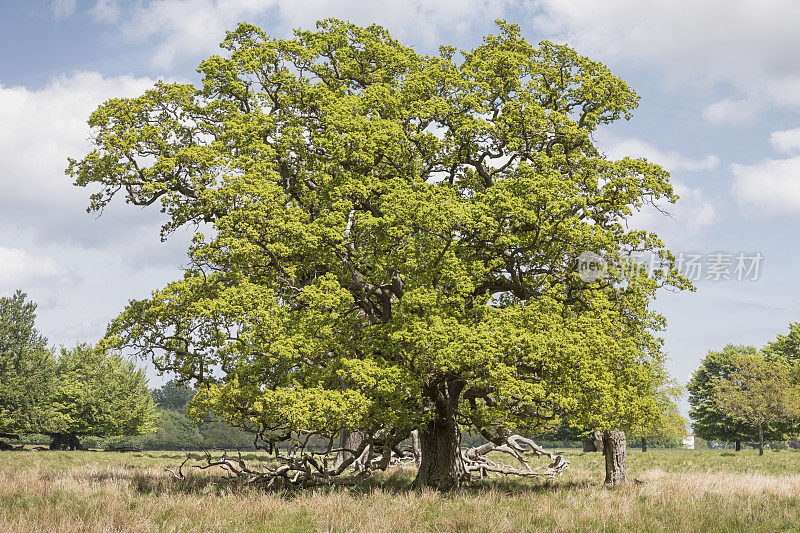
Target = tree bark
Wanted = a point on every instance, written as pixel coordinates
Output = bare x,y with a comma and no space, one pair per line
738,446
351,440
760,440
644,444
614,445
442,467
589,445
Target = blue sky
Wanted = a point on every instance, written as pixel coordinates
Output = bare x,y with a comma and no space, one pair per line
720,93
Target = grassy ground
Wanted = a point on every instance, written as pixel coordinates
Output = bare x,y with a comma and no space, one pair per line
680,490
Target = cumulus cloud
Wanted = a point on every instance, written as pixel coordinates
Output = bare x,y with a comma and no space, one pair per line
39,129
192,29
771,187
787,141
81,270
617,148
18,268
693,211
746,45
731,111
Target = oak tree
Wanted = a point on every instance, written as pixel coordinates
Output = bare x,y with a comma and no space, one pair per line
389,241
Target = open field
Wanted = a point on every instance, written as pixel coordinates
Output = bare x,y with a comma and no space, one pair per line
680,490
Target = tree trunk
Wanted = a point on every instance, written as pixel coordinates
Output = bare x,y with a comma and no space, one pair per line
589,445
351,440
442,467
65,441
738,445
760,440
644,444
614,445
598,441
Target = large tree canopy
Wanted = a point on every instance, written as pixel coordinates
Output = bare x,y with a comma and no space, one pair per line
392,239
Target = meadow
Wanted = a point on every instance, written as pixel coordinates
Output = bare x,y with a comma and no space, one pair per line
669,490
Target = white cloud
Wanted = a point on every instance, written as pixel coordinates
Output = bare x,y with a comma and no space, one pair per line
107,11
787,141
731,111
771,187
742,44
194,28
19,269
62,8
81,270
671,160
39,129
693,211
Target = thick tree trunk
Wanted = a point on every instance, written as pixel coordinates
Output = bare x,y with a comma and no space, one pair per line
644,444
589,445
760,440
65,441
614,445
442,466
738,446
351,440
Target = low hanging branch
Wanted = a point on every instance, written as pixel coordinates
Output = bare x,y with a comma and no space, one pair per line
302,469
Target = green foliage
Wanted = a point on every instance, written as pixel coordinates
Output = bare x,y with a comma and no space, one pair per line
172,395
786,347
174,430
100,393
386,226
758,392
26,368
664,426
712,420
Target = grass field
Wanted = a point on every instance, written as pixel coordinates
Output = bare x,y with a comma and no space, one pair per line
680,490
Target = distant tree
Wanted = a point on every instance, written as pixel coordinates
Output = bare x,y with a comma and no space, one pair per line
666,422
173,395
100,394
711,422
759,392
26,369
172,430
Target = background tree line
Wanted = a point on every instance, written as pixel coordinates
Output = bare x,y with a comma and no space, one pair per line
87,396
744,394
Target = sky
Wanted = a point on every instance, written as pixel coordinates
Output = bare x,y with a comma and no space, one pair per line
719,82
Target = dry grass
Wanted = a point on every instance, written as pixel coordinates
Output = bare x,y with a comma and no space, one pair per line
680,491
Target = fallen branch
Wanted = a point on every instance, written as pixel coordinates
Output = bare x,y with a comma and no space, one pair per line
476,460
